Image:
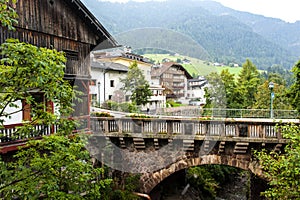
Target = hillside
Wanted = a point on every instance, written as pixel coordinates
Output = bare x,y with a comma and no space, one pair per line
196,67
202,29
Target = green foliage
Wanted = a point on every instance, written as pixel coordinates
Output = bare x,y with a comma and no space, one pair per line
215,93
8,16
124,107
226,38
208,178
101,114
57,166
110,105
250,90
172,103
137,115
248,81
136,85
229,83
202,179
128,107
132,183
53,168
27,71
294,92
283,170
141,94
124,190
284,74
263,96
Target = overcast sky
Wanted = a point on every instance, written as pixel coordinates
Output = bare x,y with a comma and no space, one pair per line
287,10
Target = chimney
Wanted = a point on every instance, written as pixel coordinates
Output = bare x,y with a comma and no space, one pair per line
127,49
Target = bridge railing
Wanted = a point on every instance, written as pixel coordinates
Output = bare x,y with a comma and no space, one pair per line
251,129
228,113
249,113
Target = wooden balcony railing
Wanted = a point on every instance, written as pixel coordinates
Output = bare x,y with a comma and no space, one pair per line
11,138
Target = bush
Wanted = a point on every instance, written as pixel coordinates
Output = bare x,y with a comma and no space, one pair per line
101,114
124,107
136,115
128,107
172,103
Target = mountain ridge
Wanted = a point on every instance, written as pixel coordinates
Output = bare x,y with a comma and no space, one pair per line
226,35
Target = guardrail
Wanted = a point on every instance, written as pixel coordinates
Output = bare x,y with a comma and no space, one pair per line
229,113
172,127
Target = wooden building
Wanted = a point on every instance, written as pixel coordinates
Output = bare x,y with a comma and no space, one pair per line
65,25
173,77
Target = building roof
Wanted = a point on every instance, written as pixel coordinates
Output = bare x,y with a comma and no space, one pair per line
93,22
119,54
165,66
109,66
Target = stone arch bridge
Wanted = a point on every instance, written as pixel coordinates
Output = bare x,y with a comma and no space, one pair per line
159,147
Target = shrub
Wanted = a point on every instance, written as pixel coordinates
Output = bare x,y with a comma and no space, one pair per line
101,114
128,107
172,103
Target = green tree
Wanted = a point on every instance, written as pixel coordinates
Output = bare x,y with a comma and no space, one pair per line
207,179
294,92
215,93
8,16
27,70
202,179
136,85
285,74
248,81
53,168
229,83
263,96
283,169
56,166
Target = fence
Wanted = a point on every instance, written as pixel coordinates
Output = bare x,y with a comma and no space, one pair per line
228,113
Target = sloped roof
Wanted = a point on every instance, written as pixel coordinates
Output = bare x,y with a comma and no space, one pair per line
165,66
109,66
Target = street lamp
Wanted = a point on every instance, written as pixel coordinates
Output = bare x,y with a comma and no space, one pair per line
271,87
99,84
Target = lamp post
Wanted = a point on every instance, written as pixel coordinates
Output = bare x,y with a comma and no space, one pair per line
271,87
99,84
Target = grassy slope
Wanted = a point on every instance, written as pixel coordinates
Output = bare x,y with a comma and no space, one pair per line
197,66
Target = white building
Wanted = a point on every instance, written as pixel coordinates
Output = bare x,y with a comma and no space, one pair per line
105,84
195,92
107,70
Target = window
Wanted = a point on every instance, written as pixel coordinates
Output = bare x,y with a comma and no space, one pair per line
93,82
94,99
39,101
109,97
112,83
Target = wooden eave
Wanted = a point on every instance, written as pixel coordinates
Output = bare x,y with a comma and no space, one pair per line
98,28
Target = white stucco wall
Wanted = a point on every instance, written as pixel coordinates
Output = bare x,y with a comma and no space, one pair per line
14,118
17,118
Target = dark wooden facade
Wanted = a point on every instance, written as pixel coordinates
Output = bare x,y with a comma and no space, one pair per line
65,25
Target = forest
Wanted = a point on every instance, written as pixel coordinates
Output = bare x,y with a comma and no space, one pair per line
233,37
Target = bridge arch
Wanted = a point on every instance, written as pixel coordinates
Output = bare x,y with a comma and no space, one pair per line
150,180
